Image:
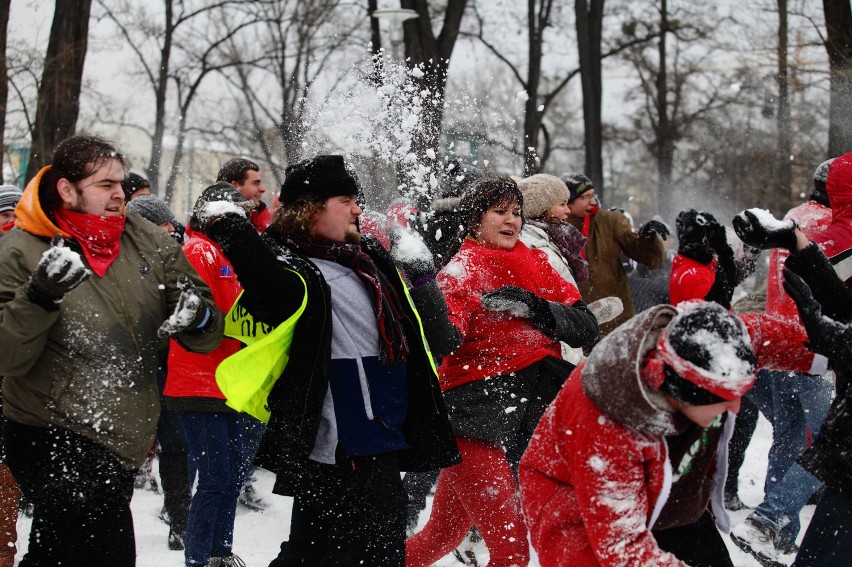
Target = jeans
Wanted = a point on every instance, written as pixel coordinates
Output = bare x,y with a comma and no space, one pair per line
253,430
81,494
215,444
794,403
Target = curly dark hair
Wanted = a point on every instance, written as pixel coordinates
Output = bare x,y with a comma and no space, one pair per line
483,195
293,220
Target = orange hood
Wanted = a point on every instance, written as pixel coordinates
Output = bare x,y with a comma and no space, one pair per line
30,216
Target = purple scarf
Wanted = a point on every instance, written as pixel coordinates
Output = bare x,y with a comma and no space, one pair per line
569,241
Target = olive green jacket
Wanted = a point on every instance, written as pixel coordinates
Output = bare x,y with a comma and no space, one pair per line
90,366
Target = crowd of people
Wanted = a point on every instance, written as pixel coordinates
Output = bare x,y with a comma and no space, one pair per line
555,377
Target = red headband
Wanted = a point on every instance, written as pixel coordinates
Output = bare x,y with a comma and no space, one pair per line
725,387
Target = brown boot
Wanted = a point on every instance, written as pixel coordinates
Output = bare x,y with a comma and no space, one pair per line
10,495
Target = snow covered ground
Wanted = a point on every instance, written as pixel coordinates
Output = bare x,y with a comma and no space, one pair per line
258,534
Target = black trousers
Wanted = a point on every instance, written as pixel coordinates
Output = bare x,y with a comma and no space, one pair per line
828,541
348,515
697,545
81,496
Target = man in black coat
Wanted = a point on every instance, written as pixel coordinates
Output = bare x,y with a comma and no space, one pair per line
825,307
358,400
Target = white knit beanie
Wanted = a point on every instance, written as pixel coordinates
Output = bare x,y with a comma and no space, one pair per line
541,191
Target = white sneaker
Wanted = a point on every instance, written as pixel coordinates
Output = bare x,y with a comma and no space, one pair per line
759,541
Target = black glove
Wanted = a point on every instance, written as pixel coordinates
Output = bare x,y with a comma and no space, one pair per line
59,271
410,254
652,227
759,230
520,303
717,237
225,229
826,336
189,312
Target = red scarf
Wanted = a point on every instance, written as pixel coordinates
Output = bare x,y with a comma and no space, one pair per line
97,236
587,222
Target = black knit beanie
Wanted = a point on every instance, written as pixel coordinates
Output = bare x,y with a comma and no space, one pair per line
317,179
577,184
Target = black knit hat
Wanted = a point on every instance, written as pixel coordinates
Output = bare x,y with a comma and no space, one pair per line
577,184
316,179
691,226
151,208
133,183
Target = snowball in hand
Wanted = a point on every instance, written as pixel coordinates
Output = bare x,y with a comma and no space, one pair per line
186,311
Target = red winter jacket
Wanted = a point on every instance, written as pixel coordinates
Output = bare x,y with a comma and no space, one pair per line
836,240
813,218
496,342
191,374
690,279
594,478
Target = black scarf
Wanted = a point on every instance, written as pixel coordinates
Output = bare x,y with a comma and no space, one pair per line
394,346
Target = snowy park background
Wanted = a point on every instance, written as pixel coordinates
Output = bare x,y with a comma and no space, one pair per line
257,535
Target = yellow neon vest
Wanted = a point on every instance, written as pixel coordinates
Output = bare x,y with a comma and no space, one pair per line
247,377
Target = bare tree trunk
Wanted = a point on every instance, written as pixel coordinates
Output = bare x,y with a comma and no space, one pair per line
153,169
4,79
784,147
589,22
59,93
536,21
838,21
433,54
665,134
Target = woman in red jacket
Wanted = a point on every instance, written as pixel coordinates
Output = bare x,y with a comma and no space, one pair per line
511,309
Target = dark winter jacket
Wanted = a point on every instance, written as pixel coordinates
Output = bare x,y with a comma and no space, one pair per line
610,235
91,366
830,457
271,275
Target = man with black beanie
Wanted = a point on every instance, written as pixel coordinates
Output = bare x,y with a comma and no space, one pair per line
609,235
358,399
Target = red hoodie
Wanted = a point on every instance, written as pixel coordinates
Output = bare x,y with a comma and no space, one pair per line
496,342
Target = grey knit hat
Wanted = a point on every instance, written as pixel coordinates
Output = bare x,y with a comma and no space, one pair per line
541,191
151,208
9,197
